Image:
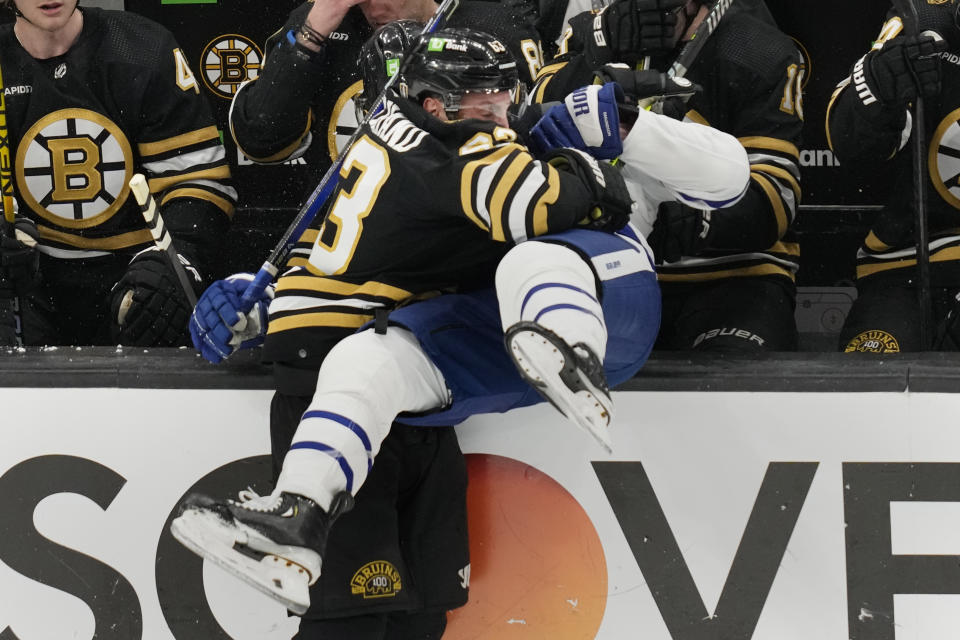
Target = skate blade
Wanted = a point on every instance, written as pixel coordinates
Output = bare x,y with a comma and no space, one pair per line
210,537
540,363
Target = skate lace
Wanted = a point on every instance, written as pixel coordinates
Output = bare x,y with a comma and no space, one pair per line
251,500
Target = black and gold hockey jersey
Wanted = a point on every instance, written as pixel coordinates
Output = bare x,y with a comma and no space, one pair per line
887,136
122,100
303,102
423,206
751,75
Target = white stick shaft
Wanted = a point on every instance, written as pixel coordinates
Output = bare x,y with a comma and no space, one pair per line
161,236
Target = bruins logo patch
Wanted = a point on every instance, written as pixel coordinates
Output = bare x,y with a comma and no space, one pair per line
343,120
377,579
873,341
943,154
73,166
228,61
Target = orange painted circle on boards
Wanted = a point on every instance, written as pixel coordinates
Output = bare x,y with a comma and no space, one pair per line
538,571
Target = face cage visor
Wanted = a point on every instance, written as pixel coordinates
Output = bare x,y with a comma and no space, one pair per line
452,100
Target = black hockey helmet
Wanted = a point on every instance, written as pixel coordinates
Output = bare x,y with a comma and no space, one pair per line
380,59
452,62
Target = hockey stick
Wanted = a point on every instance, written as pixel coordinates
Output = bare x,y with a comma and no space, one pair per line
691,50
6,202
161,236
911,17
329,182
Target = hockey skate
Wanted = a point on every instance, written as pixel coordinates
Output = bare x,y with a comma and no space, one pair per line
570,378
274,543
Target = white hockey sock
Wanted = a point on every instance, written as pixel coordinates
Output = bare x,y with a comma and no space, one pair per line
553,286
365,381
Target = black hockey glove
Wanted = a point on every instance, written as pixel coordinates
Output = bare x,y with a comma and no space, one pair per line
148,308
679,231
628,30
650,89
19,258
611,205
894,75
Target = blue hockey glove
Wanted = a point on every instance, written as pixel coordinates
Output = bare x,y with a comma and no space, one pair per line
587,120
218,327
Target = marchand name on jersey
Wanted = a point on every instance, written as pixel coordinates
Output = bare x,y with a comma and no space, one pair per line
20,89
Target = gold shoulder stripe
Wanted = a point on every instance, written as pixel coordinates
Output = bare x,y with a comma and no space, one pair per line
772,144
329,285
180,141
775,200
283,153
779,172
201,194
111,243
323,319
158,185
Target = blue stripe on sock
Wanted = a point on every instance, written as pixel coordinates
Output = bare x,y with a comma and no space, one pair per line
333,453
548,285
572,307
342,420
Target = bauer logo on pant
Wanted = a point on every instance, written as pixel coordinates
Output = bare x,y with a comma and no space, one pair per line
228,61
73,166
377,579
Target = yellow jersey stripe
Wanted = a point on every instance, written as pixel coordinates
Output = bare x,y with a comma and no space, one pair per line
338,287
779,172
111,243
771,144
322,319
774,196
756,270
180,141
201,194
214,173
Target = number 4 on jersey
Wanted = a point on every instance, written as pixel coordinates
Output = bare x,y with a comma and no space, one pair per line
185,78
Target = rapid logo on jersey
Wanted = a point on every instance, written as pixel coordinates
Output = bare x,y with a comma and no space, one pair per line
73,167
945,159
228,61
343,120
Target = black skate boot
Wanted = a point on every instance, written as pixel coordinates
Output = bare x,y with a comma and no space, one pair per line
275,543
571,378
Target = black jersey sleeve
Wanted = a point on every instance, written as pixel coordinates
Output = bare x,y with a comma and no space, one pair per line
858,132
180,149
767,107
270,117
